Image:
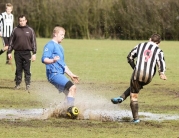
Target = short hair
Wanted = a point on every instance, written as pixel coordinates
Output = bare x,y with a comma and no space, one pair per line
9,5
156,38
57,29
22,16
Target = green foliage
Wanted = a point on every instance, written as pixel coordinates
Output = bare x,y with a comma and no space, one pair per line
101,19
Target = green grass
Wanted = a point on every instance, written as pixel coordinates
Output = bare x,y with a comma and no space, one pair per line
55,128
104,72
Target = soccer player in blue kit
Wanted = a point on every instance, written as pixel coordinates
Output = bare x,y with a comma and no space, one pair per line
53,57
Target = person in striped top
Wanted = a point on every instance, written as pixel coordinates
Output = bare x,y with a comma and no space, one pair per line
148,55
6,21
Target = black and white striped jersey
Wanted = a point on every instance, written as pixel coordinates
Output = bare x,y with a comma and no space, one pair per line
6,22
0,26
148,55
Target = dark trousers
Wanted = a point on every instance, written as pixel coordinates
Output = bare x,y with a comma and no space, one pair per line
23,62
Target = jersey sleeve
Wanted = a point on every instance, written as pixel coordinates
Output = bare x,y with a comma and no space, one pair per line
0,23
1,18
34,43
47,52
131,56
161,62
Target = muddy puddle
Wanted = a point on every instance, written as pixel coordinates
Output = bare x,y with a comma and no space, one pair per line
97,114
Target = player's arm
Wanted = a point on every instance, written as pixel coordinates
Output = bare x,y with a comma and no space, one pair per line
47,55
74,77
131,63
51,61
131,56
3,49
162,76
0,25
161,65
11,42
34,45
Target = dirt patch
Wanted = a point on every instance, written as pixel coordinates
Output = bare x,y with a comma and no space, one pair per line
92,99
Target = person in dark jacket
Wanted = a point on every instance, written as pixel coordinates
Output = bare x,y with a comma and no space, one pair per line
23,42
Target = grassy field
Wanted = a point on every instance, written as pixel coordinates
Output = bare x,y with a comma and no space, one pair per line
104,73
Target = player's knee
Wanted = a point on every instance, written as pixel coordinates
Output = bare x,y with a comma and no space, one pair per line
72,91
134,96
68,85
73,88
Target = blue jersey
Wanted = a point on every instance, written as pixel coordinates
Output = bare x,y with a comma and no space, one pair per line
51,50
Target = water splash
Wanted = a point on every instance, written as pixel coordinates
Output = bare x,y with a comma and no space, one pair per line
98,114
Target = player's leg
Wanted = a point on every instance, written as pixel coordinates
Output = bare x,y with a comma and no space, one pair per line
62,83
26,67
6,44
70,91
8,61
135,87
134,107
121,98
18,74
1,51
4,41
124,96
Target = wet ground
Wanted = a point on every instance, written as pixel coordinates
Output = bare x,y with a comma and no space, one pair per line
92,106
103,115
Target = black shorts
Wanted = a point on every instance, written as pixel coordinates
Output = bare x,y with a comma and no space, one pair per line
136,86
68,85
6,41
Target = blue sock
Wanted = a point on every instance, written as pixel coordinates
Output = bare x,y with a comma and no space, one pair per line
70,101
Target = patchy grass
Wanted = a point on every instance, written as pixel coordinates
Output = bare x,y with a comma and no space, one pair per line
104,73
87,129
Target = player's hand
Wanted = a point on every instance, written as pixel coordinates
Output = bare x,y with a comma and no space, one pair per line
75,78
33,58
5,48
56,58
10,56
163,77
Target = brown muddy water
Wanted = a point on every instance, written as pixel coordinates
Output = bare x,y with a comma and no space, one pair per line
89,114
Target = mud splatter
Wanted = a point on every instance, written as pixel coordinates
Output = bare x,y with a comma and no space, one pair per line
98,114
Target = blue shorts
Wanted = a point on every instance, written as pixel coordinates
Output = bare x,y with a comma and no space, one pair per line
59,81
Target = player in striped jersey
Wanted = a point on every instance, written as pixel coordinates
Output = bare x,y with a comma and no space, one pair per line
6,21
6,47
147,56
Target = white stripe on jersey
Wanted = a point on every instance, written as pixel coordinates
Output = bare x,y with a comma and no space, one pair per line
7,24
147,55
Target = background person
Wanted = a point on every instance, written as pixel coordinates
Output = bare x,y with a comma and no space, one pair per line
6,21
23,41
5,47
53,58
148,55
